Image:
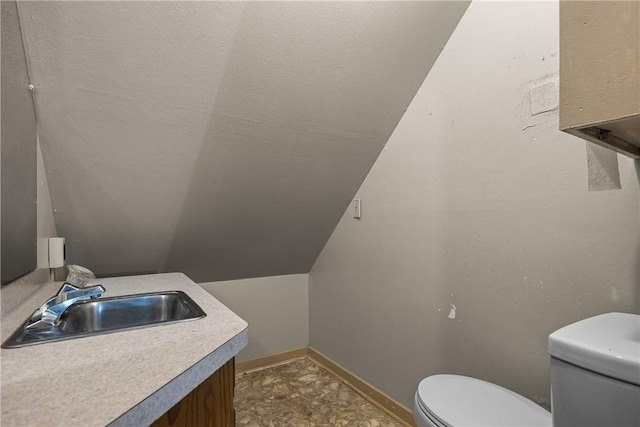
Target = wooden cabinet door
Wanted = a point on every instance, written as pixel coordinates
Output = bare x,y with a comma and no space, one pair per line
208,405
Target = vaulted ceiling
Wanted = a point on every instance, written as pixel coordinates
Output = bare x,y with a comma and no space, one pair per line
221,139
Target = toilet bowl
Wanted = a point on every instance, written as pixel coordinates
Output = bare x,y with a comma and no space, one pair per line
455,400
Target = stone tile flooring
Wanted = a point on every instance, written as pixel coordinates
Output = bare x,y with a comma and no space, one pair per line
301,393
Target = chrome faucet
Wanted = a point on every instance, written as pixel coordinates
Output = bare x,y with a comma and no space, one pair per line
48,315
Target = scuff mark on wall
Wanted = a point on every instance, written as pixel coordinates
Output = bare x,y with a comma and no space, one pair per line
452,313
614,295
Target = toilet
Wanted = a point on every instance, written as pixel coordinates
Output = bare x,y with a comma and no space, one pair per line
595,372
455,400
595,381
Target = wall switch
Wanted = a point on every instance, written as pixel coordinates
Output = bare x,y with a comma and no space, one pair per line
357,209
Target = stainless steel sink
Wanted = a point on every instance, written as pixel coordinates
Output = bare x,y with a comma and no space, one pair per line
114,314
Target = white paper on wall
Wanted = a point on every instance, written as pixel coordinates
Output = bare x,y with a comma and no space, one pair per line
602,166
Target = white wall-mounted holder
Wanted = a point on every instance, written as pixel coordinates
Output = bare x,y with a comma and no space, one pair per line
56,252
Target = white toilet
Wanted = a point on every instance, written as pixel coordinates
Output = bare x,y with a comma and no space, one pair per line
454,400
595,372
595,381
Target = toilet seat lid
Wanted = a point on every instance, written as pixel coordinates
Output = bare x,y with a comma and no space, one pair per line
456,400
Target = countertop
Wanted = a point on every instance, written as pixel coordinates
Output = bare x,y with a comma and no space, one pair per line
126,378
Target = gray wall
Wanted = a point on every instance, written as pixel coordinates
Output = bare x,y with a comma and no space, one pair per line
480,204
276,308
46,223
221,139
18,163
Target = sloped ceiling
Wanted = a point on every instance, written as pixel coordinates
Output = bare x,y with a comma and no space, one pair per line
221,139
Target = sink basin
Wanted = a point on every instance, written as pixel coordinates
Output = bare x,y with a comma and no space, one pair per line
114,314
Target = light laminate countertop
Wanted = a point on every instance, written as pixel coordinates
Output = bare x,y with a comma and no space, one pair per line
127,378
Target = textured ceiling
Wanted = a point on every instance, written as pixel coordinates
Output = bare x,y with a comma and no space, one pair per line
221,139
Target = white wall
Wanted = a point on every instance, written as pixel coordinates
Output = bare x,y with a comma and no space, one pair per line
276,308
477,204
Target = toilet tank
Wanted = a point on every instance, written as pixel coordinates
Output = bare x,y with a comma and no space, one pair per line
595,372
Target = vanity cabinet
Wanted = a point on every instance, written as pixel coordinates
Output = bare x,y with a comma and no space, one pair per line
208,405
129,378
600,73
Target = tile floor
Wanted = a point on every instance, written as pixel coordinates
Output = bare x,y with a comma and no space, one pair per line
301,393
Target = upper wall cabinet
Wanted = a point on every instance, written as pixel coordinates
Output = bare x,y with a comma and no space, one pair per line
600,73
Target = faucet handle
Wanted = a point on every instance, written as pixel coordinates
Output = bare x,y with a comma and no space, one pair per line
79,276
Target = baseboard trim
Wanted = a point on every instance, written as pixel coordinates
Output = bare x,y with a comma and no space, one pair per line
271,360
388,405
